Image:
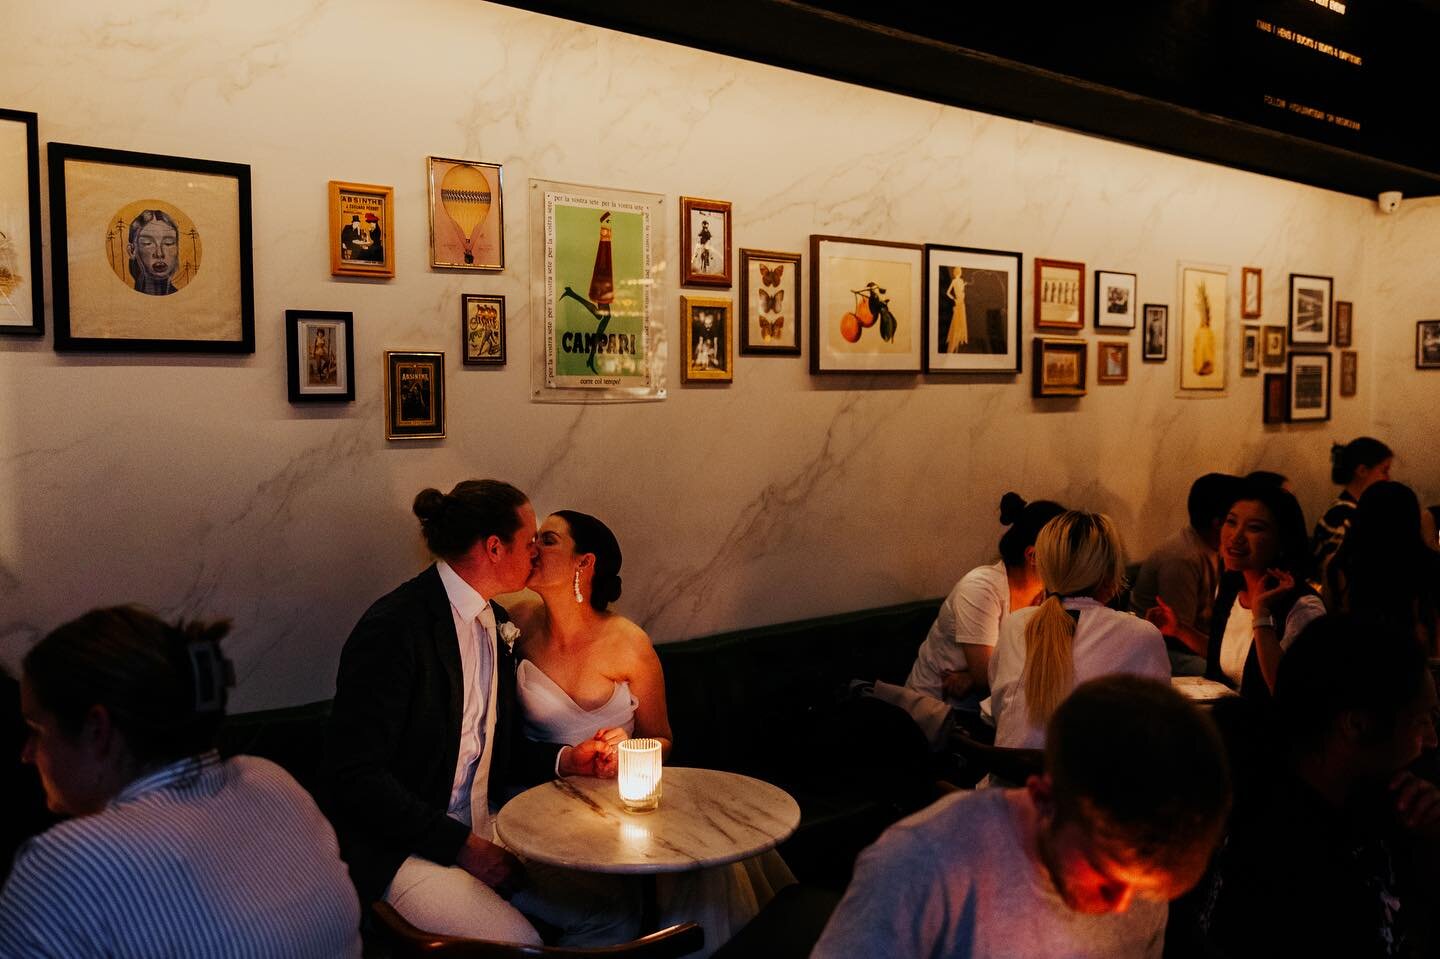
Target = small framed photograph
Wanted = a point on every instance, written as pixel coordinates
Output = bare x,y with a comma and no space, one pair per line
150,253
704,242
1059,295
1156,345
769,303
320,352
1349,372
1250,292
1310,309
1249,350
1114,300
1427,345
467,214
482,330
362,230
867,301
1272,346
1344,317
1309,378
708,332
972,314
1059,366
22,283
1277,393
414,396
1112,361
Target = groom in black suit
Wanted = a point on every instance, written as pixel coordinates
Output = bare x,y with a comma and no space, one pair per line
425,738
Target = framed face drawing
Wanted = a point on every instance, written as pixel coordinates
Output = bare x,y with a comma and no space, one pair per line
22,283
1156,345
704,242
769,303
972,310
467,214
151,253
320,354
1204,293
362,230
1310,309
1059,295
866,305
1114,300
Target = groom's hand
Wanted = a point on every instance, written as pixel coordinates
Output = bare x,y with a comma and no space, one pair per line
492,865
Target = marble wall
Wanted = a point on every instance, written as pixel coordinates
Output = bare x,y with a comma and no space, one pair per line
192,485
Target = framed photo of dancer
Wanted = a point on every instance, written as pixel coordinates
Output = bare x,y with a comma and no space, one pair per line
22,282
597,289
1155,337
769,303
414,396
482,330
467,214
1115,300
705,242
362,230
707,329
150,253
1059,295
320,354
867,301
972,310
1309,377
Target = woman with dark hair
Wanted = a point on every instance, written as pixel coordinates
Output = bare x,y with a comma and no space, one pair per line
589,678
1353,467
1265,600
953,664
171,851
1384,570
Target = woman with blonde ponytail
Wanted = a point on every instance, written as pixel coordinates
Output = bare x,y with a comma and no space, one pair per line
1046,651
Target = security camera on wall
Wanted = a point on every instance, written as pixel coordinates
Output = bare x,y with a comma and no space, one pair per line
1389,201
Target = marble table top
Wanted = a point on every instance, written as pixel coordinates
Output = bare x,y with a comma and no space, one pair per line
706,818
1201,690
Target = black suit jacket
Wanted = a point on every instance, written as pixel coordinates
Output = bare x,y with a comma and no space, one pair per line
393,737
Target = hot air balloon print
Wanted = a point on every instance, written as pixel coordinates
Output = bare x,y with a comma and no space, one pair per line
466,228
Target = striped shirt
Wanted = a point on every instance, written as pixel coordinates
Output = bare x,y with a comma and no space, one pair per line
200,859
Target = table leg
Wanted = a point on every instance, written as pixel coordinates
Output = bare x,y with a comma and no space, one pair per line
649,905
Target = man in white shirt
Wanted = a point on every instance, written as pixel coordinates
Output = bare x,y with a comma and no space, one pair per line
425,738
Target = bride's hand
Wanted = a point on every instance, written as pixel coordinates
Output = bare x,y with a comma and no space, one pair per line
607,762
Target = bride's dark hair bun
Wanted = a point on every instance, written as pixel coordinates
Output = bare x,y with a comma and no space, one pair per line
592,536
453,522
1011,506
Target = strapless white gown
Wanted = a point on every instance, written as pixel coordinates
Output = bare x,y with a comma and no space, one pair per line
722,898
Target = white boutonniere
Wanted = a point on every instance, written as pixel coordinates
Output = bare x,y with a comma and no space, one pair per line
509,632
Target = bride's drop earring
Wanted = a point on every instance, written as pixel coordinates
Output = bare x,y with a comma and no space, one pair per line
578,597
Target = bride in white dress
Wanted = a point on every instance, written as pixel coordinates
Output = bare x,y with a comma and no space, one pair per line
590,678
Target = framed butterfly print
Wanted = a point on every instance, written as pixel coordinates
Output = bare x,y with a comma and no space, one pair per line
972,313
769,303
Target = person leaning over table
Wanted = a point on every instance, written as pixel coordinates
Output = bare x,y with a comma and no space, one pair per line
1079,863
425,735
170,851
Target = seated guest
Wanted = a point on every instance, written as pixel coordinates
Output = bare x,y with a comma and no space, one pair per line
1176,586
952,668
425,733
19,783
1325,854
589,678
171,851
1264,600
1353,467
1384,570
1045,652
1079,863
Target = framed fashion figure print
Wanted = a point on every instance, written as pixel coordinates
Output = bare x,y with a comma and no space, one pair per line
22,283
150,253
972,310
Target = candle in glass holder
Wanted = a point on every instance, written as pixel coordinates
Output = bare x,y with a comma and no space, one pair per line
640,774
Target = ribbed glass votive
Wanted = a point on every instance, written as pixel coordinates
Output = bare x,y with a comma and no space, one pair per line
640,772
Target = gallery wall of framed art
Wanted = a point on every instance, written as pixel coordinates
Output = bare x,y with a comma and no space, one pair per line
22,268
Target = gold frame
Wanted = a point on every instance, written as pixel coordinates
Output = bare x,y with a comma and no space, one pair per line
396,430
341,267
497,206
1124,349
688,374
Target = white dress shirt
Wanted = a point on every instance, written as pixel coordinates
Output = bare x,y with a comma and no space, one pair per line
475,631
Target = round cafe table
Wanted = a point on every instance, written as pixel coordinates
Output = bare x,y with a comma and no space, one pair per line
706,818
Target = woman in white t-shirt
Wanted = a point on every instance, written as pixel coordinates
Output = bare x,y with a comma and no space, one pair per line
1045,652
953,663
